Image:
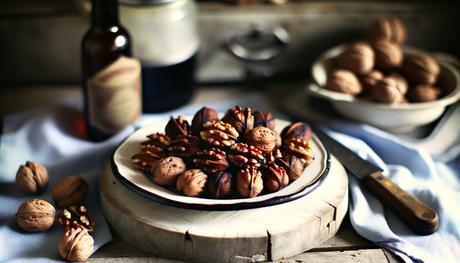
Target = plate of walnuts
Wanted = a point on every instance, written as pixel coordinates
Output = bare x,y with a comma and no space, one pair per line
234,160
382,82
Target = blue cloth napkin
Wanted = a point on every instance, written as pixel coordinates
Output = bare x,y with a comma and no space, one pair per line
436,184
52,136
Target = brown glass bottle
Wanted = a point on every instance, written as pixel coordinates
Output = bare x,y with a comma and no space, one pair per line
110,77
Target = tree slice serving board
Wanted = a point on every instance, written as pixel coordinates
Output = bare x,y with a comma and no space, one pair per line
248,235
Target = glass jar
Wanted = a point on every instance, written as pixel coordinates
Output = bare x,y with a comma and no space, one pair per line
166,41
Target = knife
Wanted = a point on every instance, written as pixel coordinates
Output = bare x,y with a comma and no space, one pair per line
418,216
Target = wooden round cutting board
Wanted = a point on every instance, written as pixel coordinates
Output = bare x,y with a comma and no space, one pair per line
249,235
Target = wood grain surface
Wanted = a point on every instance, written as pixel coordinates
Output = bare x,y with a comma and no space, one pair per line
260,234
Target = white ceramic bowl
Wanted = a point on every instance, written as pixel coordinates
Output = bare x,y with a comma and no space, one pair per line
396,118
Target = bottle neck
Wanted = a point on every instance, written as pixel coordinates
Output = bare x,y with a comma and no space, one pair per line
104,13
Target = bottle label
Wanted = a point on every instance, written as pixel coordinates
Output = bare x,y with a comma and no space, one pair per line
114,93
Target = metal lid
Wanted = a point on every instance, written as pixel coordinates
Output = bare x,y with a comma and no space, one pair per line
145,2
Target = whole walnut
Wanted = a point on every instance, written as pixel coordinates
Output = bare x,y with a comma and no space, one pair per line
76,245
192,182
345,81
292,165
166,171
70,191
221,184
262,138
35,215
358,58
389,28
300,130
274,177
422,69
32,178
368,81
264,119
423,93
201,117
386,91
400,80
388,55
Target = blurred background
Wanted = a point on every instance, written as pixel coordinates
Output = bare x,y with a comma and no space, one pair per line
40,39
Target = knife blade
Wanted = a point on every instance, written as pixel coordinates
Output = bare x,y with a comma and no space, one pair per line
418,216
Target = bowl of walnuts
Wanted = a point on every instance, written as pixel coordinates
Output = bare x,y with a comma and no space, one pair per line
384,83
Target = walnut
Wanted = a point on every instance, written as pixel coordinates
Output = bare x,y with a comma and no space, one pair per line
422,69
221,184
185,146
264,119
358,57
32,178
70,190
201,117
192,182
158,144
176,127
76,245
299,148
249,182
274,177
388,55
35,215
239,119
299,130
166,171
76,217
345,81
246,156
144,161
369,80
387,91
292,165
212,160
400,80
218,133
390,29
424,93
262,138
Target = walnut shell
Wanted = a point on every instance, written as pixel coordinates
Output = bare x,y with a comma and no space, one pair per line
76,245
166,171
421,69
390,28
192,182
386,91
274,177
300,130
70,191
221,184
262,138
358,58
369,80
345,81
423,93
264,119
400,80
388,55
35,215
32,178
201,117
292,165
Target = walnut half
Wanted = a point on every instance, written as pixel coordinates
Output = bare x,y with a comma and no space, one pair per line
76,218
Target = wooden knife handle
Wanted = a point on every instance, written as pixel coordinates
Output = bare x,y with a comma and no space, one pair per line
416,214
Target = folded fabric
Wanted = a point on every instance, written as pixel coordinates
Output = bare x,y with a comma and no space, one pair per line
434,183
52,136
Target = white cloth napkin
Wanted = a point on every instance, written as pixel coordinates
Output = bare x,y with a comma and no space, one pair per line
51,135
434,183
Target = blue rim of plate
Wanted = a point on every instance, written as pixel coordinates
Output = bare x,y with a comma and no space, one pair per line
222,207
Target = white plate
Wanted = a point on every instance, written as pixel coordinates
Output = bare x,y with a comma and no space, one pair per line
141,182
